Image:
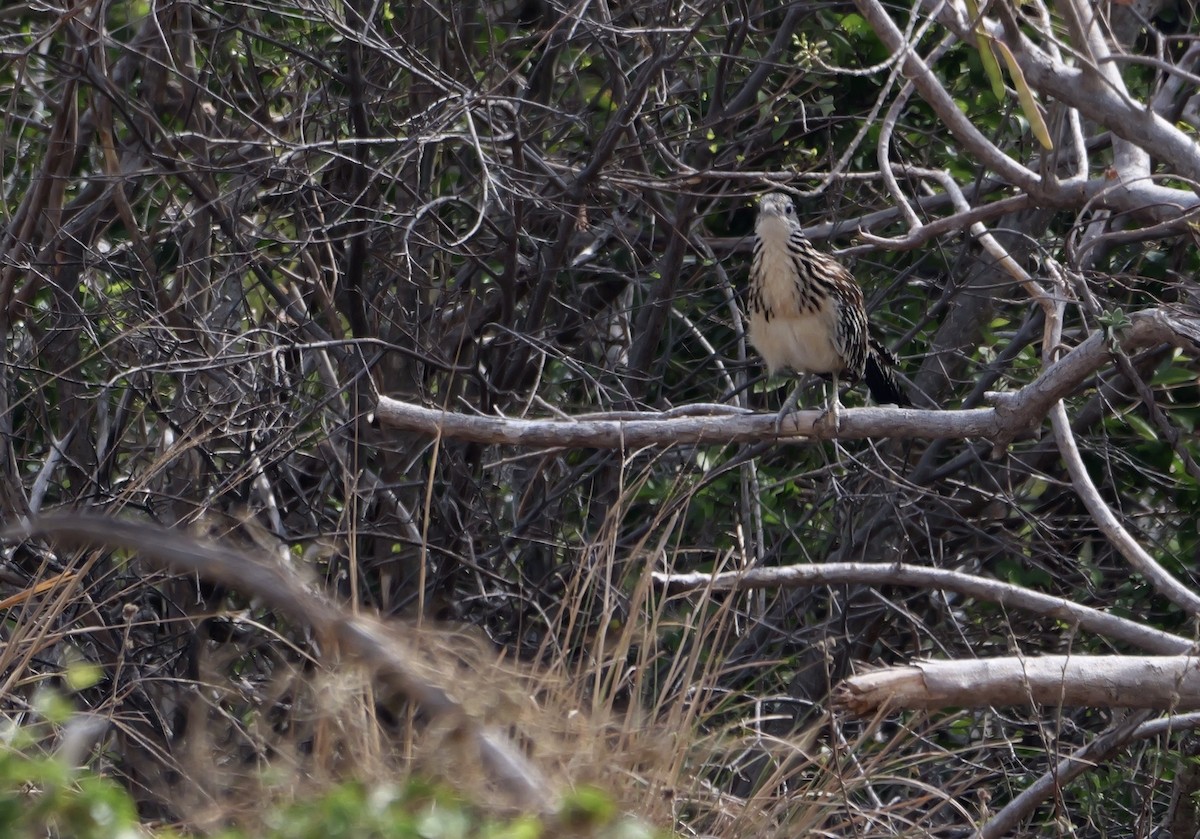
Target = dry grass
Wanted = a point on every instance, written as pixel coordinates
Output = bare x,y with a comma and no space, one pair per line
649,697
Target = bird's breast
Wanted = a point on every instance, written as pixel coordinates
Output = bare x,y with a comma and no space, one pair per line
791,326
799,342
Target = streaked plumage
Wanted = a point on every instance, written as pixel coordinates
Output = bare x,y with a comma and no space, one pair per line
807,313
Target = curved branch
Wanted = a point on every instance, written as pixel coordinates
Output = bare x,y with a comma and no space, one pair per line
919,576
1110,526
383,651
1114,109
1136,726
942,102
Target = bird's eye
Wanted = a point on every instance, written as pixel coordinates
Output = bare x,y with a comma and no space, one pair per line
789,209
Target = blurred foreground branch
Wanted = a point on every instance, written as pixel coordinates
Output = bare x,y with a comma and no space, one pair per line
362,638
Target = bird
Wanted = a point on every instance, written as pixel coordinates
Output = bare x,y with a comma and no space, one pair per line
807,313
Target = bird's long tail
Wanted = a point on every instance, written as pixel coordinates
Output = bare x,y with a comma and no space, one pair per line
880,376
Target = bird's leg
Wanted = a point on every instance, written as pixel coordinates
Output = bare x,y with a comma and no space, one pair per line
789,405
832,416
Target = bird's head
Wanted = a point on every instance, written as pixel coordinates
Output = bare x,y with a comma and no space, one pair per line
776,217
777,204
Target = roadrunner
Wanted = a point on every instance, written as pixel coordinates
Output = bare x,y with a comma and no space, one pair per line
807,313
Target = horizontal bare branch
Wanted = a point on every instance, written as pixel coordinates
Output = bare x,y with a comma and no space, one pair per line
1015,414
656,429
1166,683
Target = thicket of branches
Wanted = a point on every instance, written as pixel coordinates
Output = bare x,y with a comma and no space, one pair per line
228,227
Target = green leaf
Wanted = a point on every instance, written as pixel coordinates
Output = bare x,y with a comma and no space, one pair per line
1113,321
1141,427
81,675
588,806
523,827
855,24
986,54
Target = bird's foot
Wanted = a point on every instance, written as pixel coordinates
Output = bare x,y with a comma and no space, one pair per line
780,417
789,406
831,418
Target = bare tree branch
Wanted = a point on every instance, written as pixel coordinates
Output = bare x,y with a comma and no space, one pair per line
1164,683
1136,726
934,579
1110,526
1016,413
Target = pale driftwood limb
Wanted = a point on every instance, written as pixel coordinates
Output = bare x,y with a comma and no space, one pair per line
1166,683
865,573
1015,414
361,638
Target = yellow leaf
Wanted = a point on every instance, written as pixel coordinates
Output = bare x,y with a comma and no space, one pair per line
1029,103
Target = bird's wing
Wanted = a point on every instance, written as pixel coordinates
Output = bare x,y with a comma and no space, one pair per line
850,336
